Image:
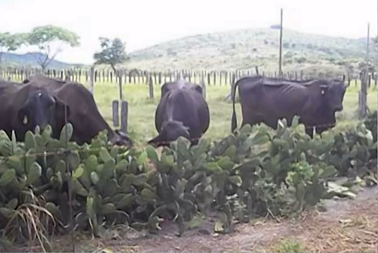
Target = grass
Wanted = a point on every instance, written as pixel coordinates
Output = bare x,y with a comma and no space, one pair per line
142,109
141,118
288,246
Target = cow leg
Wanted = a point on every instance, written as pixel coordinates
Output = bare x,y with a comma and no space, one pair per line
251,120
289,121
320,130
249,116
309,131
272,123
194,142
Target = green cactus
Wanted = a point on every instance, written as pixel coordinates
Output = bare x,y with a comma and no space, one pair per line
242,176
152,155
125,201
66,134
34,172
30,141
7,177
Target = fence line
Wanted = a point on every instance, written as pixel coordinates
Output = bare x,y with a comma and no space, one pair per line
204,78
134,76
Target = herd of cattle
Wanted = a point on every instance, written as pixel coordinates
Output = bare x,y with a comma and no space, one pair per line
182,110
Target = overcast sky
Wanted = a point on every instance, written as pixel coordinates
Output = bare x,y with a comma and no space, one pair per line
142,23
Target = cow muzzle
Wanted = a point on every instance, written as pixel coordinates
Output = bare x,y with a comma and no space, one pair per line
121,139
339,108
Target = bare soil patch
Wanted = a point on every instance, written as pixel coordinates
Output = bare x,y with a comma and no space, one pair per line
346,226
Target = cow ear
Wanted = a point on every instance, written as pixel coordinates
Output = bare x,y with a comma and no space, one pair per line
164,89
199,89
124,136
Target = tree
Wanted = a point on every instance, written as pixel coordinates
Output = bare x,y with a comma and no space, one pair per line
113,53
10,42
51,40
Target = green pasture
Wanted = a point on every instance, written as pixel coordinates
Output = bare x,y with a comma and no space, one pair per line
142,110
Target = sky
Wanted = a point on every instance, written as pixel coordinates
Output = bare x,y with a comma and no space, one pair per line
143,23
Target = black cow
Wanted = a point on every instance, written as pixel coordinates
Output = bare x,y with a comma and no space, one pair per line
266,100
82,110
23,107
182,111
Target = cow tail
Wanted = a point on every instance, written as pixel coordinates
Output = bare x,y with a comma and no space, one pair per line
234,122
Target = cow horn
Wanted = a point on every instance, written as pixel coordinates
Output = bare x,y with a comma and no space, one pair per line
52,99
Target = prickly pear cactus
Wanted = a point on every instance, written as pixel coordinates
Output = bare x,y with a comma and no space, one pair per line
251,173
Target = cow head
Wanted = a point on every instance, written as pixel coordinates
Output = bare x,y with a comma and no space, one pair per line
121,139
42,109
170,131
334,93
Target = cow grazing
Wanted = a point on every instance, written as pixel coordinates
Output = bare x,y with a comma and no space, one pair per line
23,107
266,100
182,111
84,116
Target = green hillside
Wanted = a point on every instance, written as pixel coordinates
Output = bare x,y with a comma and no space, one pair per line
243,49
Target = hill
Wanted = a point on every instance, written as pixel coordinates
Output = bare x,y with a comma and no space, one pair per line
28,60
244,49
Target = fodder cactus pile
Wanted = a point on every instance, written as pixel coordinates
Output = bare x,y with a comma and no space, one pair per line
248,174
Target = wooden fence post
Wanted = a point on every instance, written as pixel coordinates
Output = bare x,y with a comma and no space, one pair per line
91,79
150,88
362,95
203,86
120,85
124,115
115,110
233,80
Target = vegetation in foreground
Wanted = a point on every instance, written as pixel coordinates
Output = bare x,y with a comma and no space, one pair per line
245,175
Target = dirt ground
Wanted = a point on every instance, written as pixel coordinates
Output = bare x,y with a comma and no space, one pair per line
346,226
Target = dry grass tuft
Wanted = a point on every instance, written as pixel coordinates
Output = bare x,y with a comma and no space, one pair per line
31,223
